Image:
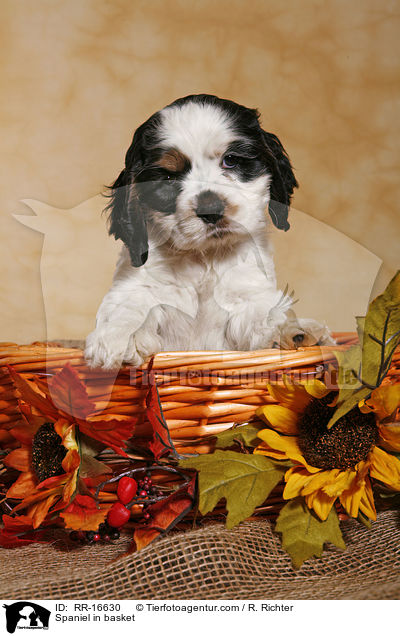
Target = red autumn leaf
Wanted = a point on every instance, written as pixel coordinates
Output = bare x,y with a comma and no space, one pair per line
83,513
161,443
69,394
31,420
66,398
165,514
19,531
65,394
24,433
7,440
113,433
13,541
93,482
17,525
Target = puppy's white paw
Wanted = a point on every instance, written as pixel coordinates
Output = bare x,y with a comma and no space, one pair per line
108,349
303,332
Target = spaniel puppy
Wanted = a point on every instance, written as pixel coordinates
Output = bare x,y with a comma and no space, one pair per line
196,270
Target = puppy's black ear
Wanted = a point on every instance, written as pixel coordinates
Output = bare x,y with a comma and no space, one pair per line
283,180
127,215
127,219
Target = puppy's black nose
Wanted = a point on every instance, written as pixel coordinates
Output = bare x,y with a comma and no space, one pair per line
210,208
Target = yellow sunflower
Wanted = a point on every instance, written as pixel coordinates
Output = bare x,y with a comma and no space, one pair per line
336,463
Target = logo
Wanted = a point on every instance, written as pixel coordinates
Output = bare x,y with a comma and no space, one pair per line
26,615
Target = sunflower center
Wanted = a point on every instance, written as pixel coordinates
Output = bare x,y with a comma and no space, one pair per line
348,442
47,452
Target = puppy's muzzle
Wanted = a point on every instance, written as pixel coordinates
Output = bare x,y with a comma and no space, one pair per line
210,207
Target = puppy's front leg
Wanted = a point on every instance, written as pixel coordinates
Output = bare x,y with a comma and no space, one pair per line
256,323
116,338
302,332
261,327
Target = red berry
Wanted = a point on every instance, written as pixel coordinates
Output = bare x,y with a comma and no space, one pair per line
118,515
96,537
146,515
143,493
127,488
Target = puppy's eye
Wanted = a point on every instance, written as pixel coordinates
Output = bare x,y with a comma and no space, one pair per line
230,161
170,176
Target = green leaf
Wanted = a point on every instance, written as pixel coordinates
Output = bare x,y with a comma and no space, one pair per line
88,449
91,467
364,520
351,390
246,434
88,445
350,399
303,534
363,369
244,481
381,333
349,368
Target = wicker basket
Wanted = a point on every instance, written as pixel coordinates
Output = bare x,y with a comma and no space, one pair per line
202,393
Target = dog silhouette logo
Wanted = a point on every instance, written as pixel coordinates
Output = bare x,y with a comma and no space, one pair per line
26,615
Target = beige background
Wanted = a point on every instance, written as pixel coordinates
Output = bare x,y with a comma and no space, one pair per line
77,77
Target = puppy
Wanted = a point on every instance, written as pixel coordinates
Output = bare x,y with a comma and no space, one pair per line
196,270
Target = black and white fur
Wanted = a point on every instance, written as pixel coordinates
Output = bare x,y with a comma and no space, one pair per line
196,270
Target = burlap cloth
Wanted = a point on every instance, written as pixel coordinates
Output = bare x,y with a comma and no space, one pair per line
209,563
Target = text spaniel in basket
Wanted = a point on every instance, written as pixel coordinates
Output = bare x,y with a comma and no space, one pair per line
196,270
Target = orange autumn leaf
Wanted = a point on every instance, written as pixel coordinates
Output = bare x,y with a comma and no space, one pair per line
83,513
19,458
38,511
66,430
32,397
144,536
25,483
38,495
57,487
